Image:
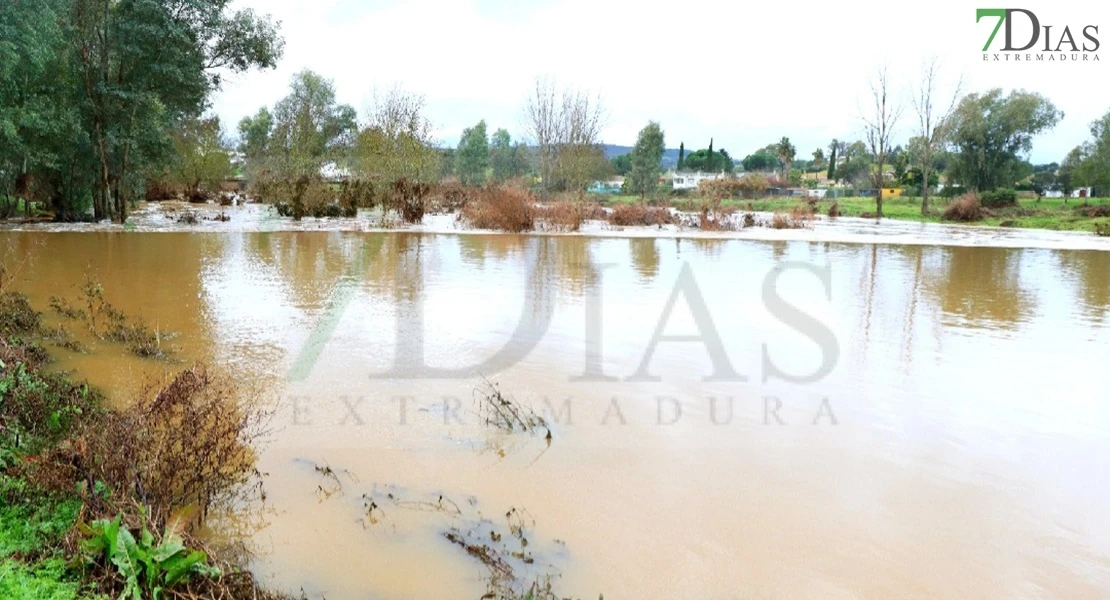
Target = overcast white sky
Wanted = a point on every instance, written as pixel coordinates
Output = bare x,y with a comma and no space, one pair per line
745,73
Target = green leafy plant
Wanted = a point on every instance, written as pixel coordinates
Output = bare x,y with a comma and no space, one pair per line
147,569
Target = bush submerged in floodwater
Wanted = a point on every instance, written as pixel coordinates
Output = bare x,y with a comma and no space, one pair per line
633,214
501,208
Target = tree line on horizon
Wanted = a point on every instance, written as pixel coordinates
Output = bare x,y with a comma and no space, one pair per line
105,102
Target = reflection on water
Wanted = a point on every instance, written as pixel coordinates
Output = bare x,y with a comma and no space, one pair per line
1091,273
645,257
961,462
982,289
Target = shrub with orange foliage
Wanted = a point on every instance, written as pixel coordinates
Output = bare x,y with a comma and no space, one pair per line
634,214
502,208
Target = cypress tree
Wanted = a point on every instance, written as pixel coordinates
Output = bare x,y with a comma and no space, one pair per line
681,155
709,156
831,173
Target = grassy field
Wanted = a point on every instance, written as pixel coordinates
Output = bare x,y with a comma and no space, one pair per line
1049,213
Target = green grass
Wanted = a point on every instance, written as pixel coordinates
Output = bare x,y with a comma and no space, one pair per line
44,580
32,524
1049,213
31,528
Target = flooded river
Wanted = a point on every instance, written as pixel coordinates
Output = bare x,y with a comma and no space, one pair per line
730,418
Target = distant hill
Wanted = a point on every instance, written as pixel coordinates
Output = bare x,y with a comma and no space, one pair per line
670,155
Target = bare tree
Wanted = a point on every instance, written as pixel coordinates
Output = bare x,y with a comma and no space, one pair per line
565,127
879,123
932,123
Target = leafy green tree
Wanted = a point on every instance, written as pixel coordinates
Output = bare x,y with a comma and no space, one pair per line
761,161
446,163
991,132
709,161
818,163
507,160
472,155
145,64
1091,161
647,157
899,162
43,152
310,129
856,149
201,159
254,142
856,172
622,164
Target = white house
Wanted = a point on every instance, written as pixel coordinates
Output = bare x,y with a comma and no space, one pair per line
690,181
1084,192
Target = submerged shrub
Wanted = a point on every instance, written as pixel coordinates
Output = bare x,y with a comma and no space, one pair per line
568,215
409,199
784,221
636,214
501,208
451,196
17,318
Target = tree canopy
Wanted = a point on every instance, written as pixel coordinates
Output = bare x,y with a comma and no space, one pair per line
93,89
647,157
472,155
709,161
991,132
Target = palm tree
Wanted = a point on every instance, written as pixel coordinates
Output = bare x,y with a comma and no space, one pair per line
786,153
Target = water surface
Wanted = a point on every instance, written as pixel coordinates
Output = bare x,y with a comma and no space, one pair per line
956,448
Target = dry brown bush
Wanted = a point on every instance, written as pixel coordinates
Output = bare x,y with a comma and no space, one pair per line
188,442
966,208
563,215
450,196
784,221
409,199
719,220
501,208
834,210
1095,211
803,212
634,214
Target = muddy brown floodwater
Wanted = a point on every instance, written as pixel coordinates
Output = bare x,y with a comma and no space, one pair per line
957,446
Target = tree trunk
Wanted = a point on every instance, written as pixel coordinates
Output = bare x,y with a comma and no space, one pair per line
879,204
26,190
925,189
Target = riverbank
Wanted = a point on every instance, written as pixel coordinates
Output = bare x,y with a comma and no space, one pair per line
1054,214
167,217
97,501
